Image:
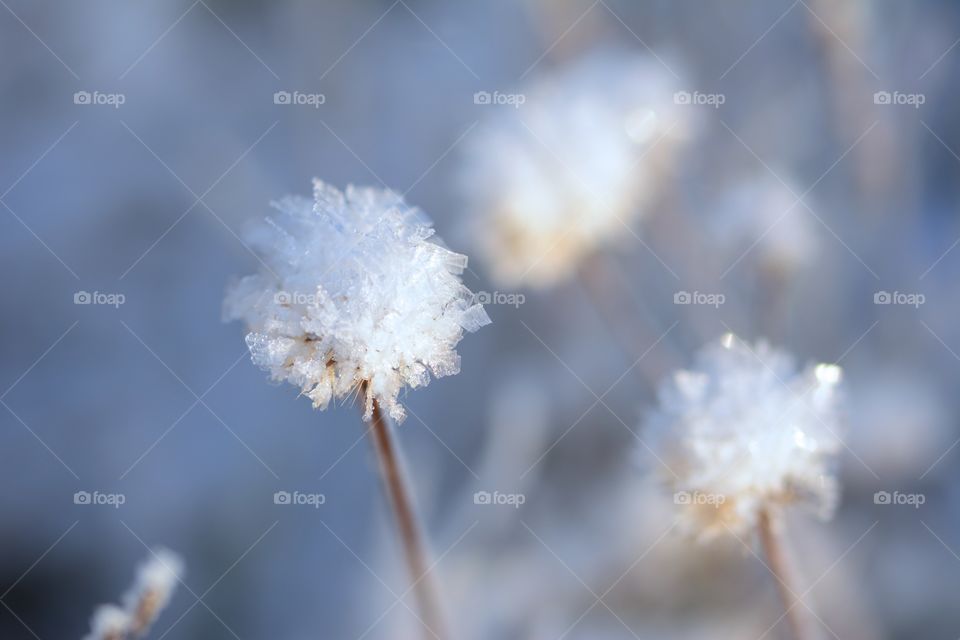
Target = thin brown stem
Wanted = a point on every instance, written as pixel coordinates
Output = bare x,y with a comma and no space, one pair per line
780,566
398,491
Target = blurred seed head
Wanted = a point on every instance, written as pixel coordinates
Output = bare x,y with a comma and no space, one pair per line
573,167
743,431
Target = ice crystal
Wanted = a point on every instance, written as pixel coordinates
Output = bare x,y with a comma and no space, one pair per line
355,290
571,167
743,431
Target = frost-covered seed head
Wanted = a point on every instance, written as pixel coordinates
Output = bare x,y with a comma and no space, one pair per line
356,291
571,167
743,431
156,580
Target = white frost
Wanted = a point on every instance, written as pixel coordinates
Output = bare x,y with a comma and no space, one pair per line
743,431
355,290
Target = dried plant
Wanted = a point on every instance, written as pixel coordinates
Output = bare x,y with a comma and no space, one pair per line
357,296
742,435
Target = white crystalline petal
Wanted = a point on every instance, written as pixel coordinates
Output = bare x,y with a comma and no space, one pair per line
473,318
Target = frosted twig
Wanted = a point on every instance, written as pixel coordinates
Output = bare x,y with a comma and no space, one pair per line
156,580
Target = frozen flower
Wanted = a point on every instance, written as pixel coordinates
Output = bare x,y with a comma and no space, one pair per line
355,291
156,580
571,166
744,431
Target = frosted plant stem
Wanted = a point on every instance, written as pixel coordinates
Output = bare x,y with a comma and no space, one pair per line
779,564
398,491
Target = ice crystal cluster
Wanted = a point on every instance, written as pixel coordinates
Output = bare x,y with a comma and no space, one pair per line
744,431
570,166
156,580
355,291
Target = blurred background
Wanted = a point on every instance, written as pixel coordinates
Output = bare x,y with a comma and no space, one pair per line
815,190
